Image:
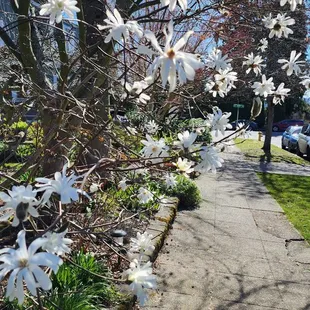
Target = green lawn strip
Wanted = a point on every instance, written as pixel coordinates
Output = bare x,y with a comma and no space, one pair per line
252,150
292,194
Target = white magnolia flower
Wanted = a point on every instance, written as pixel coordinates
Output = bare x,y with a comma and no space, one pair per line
210,160
154,148
184,166
172,4
264,45
170,180
25,265
254,63
292,65
94,188
144,195
56,243
55,8
137,90
18,203
62,185
141,277
219,121
242,130
132,131
151,127
186,140
142,244
263,88
293,3
171,60
122,184
215,89
118,29
279,25
280,93
305,81
217,61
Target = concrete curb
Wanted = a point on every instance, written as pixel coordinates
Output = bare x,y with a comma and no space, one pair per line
159,228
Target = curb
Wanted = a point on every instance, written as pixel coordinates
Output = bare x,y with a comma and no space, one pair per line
159,228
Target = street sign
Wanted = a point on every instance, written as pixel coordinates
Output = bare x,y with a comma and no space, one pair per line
239,106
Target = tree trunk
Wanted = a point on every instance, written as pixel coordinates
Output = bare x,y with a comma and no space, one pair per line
270,114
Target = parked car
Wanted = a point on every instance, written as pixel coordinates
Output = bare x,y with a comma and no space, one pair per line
303,145
290,138
252,125
283,125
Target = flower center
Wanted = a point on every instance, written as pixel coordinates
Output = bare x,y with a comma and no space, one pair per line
277,27
171,53
23,263
154,149
60,4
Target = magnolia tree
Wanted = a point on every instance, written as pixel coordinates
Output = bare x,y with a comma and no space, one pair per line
79,63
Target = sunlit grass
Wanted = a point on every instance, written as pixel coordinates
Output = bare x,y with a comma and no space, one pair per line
252,150
292,194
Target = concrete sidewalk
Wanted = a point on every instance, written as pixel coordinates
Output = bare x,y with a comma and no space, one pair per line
237,251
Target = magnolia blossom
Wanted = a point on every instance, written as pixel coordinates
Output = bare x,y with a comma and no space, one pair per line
122,184
264,45
94,188
215,60
280,93
137,90
154,148
141,278
263,88
171,60
210,160
118,29
142,244
216,88
253,63
56,243
62,185
151,127
279,25
186,139
55,8
219,121
306,81
25,264
184,166
170,180
144,195
172,4
292,65
293,3
18,203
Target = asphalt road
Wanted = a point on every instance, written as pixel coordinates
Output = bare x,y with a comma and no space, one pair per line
275,140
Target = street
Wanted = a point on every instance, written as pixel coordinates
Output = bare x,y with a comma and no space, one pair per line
275,140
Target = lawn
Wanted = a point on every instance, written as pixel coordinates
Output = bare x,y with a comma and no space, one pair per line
292,193
252,150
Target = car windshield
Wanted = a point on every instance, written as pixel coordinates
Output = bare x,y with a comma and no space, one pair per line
297,131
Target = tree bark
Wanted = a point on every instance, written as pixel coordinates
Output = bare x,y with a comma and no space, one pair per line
270,114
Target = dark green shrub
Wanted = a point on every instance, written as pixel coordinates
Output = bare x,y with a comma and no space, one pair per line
187,192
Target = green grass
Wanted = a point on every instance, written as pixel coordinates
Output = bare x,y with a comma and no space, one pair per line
252,150
292,193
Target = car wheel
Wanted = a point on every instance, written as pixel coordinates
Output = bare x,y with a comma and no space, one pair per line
275,128
282,145
298,151
289,147
308,152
